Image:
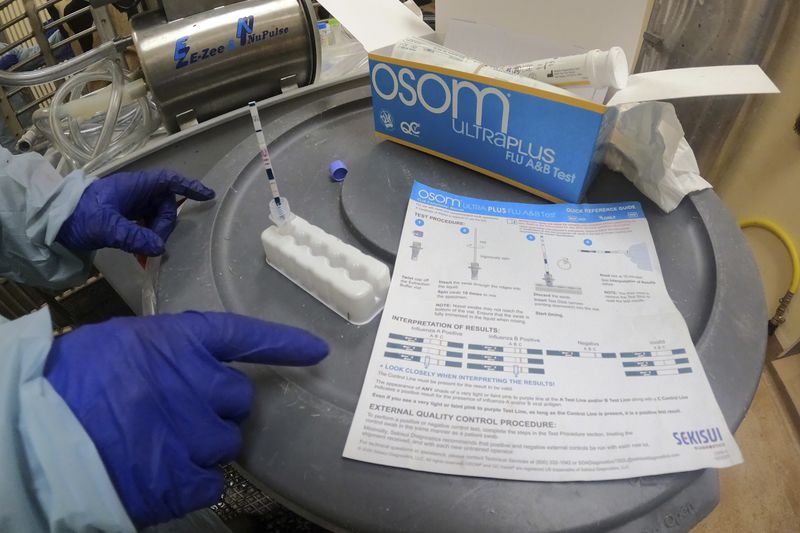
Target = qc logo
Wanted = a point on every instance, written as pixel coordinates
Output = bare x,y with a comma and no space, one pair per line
410,128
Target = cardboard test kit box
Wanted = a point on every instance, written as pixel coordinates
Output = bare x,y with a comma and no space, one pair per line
545,143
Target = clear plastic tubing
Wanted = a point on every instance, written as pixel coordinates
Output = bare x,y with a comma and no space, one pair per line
106,50
113,130
74,146
423,51
595,68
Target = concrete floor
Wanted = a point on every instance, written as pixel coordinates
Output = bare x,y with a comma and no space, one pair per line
763,494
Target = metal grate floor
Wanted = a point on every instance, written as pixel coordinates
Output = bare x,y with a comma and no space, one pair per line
244,508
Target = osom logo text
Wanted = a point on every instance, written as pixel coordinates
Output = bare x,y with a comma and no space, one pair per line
411,90
439,198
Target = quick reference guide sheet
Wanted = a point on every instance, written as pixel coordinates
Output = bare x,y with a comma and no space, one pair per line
534,342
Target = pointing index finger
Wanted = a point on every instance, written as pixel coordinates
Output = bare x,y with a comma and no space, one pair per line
231,337
175,183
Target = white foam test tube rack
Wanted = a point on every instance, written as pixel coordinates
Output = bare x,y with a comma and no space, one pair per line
342,277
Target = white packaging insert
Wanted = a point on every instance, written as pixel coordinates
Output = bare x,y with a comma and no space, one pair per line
349,282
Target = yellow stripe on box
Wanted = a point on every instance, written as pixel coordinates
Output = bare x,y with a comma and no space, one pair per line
573,84
470,166
568,100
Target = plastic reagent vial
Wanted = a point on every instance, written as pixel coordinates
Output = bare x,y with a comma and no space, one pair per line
421,50
279,211
596,68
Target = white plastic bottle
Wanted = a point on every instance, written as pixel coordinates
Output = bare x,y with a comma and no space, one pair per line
596,68
423,51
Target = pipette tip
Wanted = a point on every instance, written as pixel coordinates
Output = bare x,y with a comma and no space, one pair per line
279,211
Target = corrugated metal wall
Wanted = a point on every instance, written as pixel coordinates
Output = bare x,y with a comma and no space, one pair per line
695,33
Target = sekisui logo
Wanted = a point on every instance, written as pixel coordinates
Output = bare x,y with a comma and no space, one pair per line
387,119
697,437
438,198
404,85
244,28
410,128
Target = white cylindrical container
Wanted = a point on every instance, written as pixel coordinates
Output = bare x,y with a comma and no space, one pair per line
423,51
596,68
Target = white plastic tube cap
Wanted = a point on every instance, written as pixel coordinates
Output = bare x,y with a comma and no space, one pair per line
609,68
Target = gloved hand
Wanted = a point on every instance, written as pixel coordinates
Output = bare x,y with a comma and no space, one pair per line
160,407
8,60
105,214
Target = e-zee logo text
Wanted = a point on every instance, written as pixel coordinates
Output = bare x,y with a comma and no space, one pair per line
181,51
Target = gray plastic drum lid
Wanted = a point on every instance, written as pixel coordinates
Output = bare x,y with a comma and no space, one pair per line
294,438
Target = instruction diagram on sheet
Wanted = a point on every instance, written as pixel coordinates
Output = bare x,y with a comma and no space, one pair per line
534,342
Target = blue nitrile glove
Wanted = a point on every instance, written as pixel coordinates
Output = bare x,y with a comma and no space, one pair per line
8,60
105,214
159,405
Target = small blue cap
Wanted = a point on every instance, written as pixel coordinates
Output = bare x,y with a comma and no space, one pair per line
338,170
